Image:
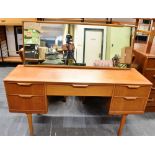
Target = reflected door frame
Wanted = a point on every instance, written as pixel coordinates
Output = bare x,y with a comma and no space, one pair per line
84,41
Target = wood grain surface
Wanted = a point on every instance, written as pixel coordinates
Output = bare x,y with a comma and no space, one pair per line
70,75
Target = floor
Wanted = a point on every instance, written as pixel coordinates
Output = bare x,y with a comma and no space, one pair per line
71,118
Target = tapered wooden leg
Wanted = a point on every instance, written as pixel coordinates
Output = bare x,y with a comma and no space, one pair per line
29,119
64,98
123,120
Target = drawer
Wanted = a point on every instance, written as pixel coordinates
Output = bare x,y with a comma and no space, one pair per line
150,75
123,105
132,90
25,88
27,103
151,100
79,90
150,63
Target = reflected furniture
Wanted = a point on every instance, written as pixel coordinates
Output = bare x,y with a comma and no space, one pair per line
27,88
146,66
144,56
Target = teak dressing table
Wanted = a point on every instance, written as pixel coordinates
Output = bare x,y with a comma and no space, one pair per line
27,89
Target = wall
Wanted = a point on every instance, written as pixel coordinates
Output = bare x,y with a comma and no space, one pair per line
65,33
31,36
79,40
11,41
117,39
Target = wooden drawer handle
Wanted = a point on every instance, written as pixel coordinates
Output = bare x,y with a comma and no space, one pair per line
130,98
153,88
25,96
150,100
24,84
3,21
79,85
133,87
153,76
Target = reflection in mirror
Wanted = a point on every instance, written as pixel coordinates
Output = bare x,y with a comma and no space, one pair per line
80,45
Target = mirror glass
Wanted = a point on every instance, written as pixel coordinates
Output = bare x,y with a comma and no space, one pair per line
78,45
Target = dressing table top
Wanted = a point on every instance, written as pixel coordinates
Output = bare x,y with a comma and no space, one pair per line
75,75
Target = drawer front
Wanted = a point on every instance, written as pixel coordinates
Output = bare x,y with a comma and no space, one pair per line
150,75
123,105
132,90
27,103
151,63
79,90
25,88
151,100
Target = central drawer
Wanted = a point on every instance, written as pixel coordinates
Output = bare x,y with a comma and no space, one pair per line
79,90
25,88
124,105
132,90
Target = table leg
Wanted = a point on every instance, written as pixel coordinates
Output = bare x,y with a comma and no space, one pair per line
64,98
29,119
122,123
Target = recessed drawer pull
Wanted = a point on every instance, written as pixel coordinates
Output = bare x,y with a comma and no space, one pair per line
79,85
153,76
24,84
25,96
153,88
3,21
130,98
133,87
150,100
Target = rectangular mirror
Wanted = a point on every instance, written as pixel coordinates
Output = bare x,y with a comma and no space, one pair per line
78,45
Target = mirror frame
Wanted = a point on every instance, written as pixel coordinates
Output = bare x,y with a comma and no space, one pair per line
80,22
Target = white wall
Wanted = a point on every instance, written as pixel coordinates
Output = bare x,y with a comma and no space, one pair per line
65,33
79,40
11,41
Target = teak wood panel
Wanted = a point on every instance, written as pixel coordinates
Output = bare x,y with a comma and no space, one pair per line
15,21
58,81
79,90
25,88
124,105
27,103
132,90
